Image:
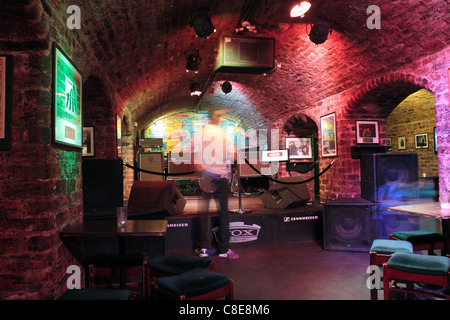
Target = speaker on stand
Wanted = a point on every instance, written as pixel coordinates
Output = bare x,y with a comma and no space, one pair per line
102,184
347,224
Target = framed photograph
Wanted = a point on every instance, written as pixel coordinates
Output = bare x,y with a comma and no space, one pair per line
401,143
367,132
67,101
299,148
6,75
421,140
119,135
388,141
88,142
328,135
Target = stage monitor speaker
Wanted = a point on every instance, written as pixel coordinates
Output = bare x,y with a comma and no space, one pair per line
238,54
389,176
151,161
154,196
102,184
347,225
284,196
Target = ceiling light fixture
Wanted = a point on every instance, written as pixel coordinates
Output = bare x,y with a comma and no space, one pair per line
201,21
192,60
319,32
226,87
195,89
300,9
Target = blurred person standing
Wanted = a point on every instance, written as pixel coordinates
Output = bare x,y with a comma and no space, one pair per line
214,153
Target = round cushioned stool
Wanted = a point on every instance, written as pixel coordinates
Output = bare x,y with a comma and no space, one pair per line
421,239
196,284
97,294
174,264
380,252
415,268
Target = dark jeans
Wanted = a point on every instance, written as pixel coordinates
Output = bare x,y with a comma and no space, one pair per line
205,230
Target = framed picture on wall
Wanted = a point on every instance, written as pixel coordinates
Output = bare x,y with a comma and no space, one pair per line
67,101
328,135
6,74
367,132
88,142
299,148
401,143
421,140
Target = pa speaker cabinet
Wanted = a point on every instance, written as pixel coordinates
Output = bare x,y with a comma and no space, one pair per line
102,184
386,222
347,225
151,161
285,196
389,176
238,54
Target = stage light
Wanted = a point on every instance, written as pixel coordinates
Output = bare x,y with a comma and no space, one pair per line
192,60
319,32
201,21
226,87
300,9
195,89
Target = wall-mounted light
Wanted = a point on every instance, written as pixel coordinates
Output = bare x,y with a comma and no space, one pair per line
226,87
201,21
300,9
319,32
195,89
192,60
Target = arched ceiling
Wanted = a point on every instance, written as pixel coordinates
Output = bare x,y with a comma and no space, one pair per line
140,46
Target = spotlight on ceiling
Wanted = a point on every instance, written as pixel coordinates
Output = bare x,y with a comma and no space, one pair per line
201,21
300,9
319,32
195,89
192,60
226,87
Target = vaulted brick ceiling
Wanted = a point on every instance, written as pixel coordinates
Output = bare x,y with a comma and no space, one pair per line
140,46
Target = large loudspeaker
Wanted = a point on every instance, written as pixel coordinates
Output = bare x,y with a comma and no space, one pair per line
151,196
284,196
386,222
389,176
347,225
102,184
151,161
238,54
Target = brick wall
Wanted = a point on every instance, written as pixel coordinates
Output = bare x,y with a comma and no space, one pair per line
415,115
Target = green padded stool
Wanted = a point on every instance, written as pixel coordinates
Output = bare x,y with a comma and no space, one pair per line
421,239
196,284
174,264
380,252
413,268
97,294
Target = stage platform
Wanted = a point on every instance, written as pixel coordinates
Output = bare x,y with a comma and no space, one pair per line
260,225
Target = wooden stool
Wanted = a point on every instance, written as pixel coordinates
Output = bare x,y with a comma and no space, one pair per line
413,268
421,239
197,284
104,271
174,264
97,294
380,252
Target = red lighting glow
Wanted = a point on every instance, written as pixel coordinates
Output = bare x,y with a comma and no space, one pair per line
299,10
